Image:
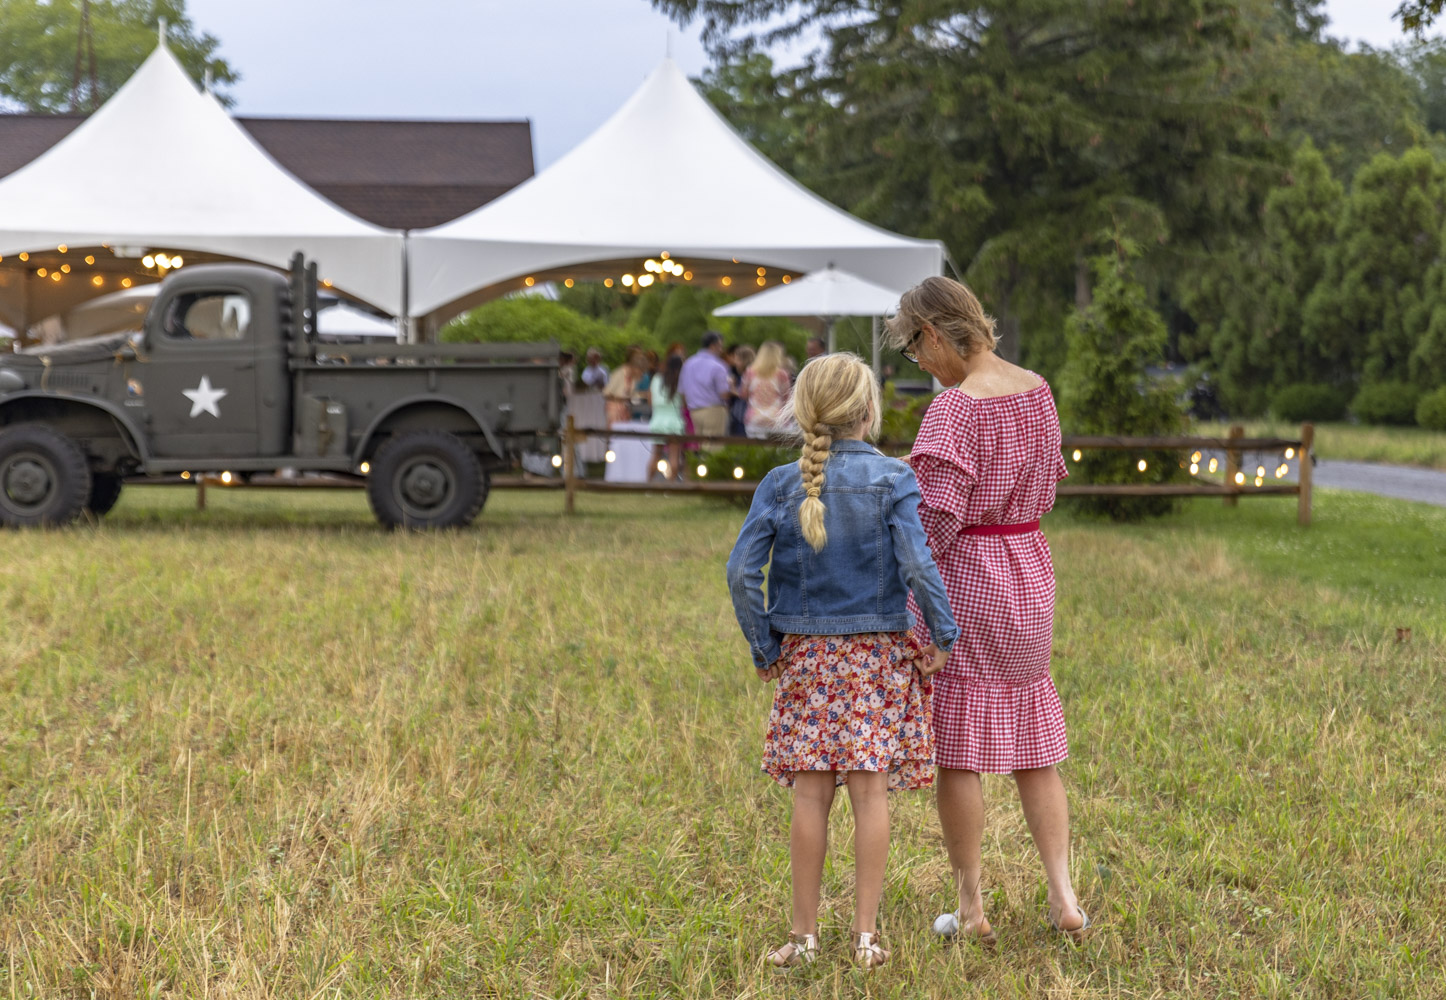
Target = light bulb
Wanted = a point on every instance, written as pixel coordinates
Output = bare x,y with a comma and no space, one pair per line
628,280
1077,455
148,261
1143,465
1259,481
738,472
607,282
185,475
1290,453
366,467
226,478
557,461
1240,479
1194,468
65,268
665,255
702,471
645,281
62,248
177,262
568,283
42,272
97,281
1260,470
786,279
726,281
529,281
24,255
1195,457
89,259
126,282
163,260
687,275
762,271
610,456
762,282
1214,464
662,467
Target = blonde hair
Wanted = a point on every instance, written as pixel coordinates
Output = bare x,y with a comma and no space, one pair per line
833,395
769,360
948,307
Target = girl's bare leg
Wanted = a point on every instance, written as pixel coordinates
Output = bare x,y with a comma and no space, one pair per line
961,815
808,844
1046,810
869,796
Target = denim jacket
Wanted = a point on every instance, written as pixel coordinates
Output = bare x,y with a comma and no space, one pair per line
860,582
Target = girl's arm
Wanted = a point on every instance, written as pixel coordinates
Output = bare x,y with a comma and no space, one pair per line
916,563
745,576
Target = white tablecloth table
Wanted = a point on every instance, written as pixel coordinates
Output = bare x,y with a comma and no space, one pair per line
632,461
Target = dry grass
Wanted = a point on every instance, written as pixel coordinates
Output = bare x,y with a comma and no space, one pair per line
270,751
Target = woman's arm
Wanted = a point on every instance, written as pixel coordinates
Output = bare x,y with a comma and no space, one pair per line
942,462
916,564
745,577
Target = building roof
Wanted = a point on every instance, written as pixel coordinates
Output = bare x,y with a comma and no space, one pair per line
395,173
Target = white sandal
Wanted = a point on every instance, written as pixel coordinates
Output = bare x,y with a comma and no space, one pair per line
799,949
868,953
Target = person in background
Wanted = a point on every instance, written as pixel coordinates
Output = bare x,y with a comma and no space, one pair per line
667,418
815,348
595,375
620,388
705,386
743,357
567,372
766,385
642,407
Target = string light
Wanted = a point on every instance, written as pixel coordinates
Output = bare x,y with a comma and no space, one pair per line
162,261
726,281
607,282
1260,470
645,280
42,272
529,281
762,282
148,261
366,468
97,281
62,248
185,475
177,262
787,279
24,255
89,259
663,467
65,268
1240,479
702,471
762,271
1290,453
1259,481
557,461
737,472
687,275
1077,455
226,478
664,255
1194,468
54,275
126,282
1142,465
1214,464
568,283
610,456
1195,457
628,280
1280,472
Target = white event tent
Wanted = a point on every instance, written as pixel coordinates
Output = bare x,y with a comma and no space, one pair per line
163,166
665,174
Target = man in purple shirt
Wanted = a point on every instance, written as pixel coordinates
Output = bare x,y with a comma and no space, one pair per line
706,387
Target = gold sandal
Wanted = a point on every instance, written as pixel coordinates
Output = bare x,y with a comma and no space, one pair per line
799,949
868,953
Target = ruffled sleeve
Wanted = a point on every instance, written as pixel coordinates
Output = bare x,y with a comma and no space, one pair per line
943,459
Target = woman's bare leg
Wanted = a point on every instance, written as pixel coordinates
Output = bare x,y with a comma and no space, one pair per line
808,844
869,796
675,460
961,816
1046,810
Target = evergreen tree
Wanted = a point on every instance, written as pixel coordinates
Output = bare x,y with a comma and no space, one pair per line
1104,389
1365,316
682,319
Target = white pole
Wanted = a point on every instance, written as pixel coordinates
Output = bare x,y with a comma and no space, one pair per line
405,333
828,325
877,368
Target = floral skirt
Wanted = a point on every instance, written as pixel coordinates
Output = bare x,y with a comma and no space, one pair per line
851,703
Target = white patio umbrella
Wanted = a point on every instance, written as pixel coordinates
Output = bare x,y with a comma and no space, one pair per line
829,293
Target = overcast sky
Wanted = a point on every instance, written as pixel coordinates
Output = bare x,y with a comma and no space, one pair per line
565,65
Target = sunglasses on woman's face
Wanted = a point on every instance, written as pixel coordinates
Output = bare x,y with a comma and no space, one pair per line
908,349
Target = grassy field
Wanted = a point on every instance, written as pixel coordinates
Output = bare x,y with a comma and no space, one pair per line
1353,442
271,751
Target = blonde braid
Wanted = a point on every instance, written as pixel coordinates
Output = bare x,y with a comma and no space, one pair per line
816,444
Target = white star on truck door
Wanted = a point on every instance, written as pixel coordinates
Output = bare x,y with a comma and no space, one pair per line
204,398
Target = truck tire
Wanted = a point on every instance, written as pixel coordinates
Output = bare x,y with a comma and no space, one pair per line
44,477
105,490
426,479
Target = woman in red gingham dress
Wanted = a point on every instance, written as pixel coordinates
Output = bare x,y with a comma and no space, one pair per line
987,458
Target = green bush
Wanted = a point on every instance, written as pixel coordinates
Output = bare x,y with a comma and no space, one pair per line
1305,401
1431,410
1105,391
902,415
1387,403
527,319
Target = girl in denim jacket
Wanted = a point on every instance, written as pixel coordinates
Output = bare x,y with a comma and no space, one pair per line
841,536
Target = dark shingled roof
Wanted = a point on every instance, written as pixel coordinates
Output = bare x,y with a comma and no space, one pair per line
395,173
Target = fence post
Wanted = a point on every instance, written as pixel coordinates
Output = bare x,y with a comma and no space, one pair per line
569,463
1307,441
200,491
1232,465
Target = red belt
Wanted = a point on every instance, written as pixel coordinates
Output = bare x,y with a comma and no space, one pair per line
1000,529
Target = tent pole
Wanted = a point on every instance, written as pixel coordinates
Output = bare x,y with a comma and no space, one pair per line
405,334
828,336
875,345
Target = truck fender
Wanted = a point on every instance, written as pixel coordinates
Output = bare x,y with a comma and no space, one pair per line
430,399
134,440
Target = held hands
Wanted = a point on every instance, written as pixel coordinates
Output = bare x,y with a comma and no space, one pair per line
932,661
771,672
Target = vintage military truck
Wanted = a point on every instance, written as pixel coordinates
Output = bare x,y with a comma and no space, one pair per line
227,375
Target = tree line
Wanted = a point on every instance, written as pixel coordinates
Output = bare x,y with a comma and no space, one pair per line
1285,192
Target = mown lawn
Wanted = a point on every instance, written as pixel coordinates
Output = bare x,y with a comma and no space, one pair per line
271,751
1354,442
